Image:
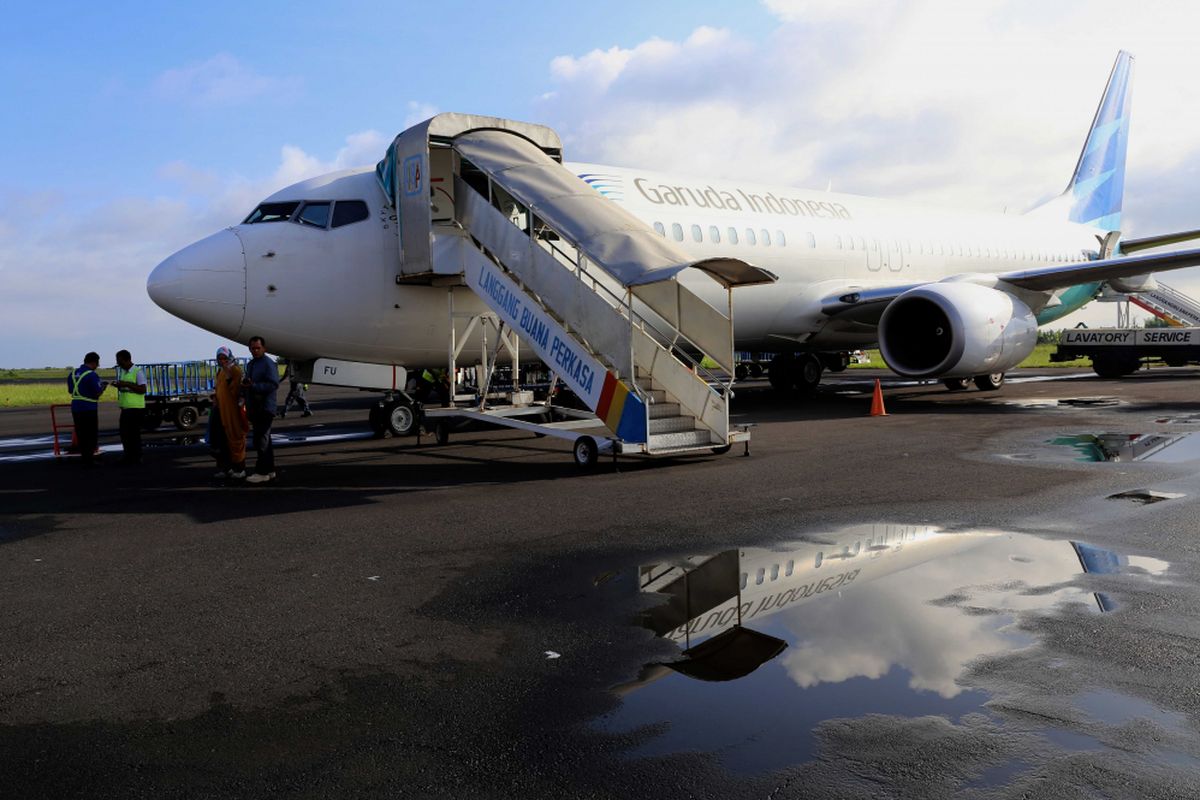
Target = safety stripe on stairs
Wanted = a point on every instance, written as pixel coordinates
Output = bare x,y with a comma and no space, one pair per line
622,412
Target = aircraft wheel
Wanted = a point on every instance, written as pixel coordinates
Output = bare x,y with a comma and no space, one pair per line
990,382
401,419
782,372
808,373
585,452
836,362
956,384
1108,366
186,417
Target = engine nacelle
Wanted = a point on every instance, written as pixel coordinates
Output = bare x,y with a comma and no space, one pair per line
955,330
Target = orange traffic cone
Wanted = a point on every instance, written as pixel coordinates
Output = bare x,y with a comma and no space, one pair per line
877,409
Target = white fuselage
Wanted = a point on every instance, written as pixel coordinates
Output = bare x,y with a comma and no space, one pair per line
332,292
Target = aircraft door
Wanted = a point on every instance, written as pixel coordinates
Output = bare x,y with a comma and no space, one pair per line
895,256
878,255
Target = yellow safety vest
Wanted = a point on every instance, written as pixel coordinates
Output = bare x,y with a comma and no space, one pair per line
125,397
76,378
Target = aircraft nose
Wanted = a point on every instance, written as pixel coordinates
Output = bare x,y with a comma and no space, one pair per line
204,283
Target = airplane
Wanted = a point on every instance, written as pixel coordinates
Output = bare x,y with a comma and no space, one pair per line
946,294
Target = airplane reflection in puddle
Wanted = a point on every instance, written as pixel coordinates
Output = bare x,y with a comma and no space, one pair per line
902,611
1160,447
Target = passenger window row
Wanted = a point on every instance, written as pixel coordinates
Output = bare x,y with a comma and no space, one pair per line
749,236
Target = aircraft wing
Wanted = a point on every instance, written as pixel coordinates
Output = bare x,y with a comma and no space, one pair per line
1061,276
867,303
1132,245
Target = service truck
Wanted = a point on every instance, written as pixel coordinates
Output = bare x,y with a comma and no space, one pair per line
1120,351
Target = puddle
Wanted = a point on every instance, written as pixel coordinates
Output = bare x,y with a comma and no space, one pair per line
174,441
1165,448
1146,496
304,438
1032,402
48,455
42,448
1117,709
1089,402
999,775
25,442
877,619
1073,741
1045,403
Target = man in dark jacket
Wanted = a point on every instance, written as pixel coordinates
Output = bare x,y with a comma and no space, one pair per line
86,387
260,383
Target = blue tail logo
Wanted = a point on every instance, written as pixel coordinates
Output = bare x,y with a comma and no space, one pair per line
1099,181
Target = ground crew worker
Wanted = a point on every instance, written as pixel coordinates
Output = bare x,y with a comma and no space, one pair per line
425,382
131,397
433,385
295,394
86,387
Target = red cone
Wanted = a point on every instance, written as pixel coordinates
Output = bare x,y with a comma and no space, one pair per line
877,409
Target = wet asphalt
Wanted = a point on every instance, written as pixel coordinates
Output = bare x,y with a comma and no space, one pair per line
399,619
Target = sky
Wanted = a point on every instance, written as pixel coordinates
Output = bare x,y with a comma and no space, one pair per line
133,129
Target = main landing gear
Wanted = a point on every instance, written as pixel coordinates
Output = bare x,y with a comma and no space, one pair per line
800,371
397,415
986,383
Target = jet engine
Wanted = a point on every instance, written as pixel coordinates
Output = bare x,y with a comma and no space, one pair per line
952,330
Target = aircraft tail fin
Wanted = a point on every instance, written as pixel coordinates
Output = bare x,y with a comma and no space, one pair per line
1097,186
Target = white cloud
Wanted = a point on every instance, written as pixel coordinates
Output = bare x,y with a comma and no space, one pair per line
221,80
977,105
599,67
361,149
74,277
418,112
984,104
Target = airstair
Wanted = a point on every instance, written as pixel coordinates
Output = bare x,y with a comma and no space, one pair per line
1177,309
591,289
1171,305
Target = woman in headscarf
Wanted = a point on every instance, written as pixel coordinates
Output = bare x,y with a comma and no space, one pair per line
229,428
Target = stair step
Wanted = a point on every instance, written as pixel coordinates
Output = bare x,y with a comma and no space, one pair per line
668,441
655,395
672,424
647,384
660,410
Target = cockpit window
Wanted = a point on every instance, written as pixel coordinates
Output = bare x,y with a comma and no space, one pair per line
315,214
348,211
272,212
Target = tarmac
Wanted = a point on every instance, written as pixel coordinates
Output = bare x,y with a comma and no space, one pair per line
394,618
